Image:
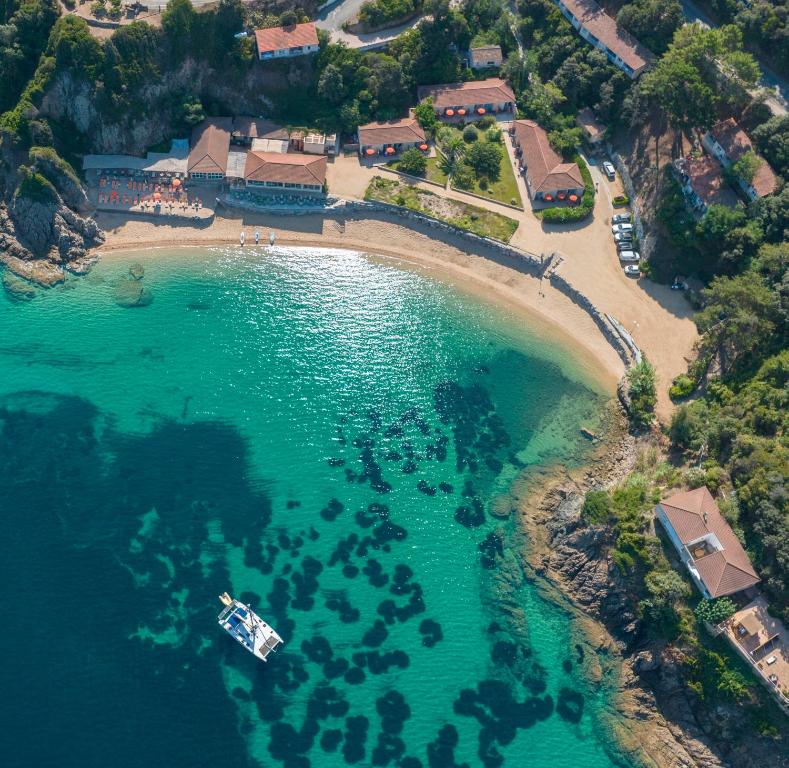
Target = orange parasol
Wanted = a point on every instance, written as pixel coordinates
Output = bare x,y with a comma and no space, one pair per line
547,197
461,111
449,112
573,198
370,151
561,195
423,147
481,111
176,183
390,150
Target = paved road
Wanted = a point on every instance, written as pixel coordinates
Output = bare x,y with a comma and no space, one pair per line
778,100
332,18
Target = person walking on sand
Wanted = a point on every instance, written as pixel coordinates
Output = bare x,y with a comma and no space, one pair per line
257,237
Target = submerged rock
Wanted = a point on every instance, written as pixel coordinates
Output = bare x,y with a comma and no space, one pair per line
16,288
136,271
131,293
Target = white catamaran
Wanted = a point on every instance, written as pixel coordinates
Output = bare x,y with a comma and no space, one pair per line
247,627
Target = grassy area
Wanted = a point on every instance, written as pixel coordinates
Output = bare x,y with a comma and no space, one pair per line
433,173
461,215
505,190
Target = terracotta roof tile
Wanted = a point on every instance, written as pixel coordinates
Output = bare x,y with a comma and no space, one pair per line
485,53
280,38
391,132
735,143
258,128
210,145
705,174
694,514
491,91
618,40
546,170
285,168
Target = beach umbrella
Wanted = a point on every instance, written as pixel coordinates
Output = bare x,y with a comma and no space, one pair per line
370,151
480,110
547,197
449,112
390,150
573,198
176,183
561,195
423,147
461,111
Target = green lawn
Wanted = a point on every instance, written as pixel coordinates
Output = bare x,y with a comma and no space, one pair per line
433,173
459,214
505,190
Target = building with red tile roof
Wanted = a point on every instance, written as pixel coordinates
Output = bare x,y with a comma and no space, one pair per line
728,142
470,100
275,171
599,29
706,543
399,134
209,148
701,179
547,176
286,42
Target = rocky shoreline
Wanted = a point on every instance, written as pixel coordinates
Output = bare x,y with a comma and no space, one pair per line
654,722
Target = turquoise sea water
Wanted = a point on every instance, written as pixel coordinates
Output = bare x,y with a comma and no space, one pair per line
324,435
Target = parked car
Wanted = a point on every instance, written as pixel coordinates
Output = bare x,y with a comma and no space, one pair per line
625,245
678,284
620,218
632,270
620,236
609,170
621,228
629,256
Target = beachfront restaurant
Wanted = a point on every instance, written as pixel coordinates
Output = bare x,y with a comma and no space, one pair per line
459,102
154,166
274,172
390,137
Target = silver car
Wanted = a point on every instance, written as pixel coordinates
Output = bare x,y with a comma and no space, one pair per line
620,218
621,228
629,256
608,168
632,270
622,236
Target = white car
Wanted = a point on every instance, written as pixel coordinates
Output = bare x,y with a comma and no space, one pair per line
609,170
623,236
621,228
632,270
621,218
629,256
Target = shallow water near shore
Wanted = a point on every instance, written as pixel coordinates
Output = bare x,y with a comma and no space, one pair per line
325,436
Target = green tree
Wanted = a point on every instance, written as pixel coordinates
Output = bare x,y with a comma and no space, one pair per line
652,22
463,177
179,20
737,320
541,101
715,611
747,166
425,114
641,389
470,134
485,159
331,85
74,48
565,140
701,69
597,508
414,162
772,138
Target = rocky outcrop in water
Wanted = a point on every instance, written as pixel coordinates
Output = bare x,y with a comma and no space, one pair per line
665,723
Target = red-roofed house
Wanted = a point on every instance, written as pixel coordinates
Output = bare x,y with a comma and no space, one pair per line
548,177
209,149
728,142
277,172
599,29
470,100
706,543
702,183
399,134
284,42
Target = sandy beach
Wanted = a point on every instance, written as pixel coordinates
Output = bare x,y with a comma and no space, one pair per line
473,268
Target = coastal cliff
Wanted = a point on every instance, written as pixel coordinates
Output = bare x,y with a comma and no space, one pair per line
659,719
42,229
